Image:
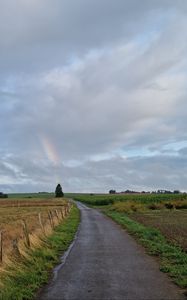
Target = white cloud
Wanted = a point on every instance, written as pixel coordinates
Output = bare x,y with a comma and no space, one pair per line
74,93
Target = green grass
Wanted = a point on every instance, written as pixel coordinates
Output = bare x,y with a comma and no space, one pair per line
30,195
22,280
173,260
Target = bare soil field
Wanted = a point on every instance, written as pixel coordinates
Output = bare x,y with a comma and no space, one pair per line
172,224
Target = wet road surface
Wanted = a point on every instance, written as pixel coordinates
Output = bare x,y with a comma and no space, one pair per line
105,263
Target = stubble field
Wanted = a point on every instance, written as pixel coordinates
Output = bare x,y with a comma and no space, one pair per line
24,221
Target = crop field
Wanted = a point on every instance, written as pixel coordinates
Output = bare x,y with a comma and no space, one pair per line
104,199
23,221
166,212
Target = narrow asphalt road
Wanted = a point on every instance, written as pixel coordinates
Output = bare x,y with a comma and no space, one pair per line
106,263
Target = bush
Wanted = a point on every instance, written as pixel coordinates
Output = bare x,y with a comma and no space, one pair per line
181,206
154,206
169,205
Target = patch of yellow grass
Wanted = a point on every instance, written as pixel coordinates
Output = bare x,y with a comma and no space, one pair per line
132,206
128,206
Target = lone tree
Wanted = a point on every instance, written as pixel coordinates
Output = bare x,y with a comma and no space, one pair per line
58,191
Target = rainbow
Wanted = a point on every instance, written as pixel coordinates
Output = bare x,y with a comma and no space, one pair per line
50,150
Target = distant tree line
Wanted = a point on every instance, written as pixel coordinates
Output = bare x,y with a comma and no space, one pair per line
2,195
144,192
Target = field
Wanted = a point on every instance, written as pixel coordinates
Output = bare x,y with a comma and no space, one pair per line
31,238
104,199
27,273
23,221
34,231
168,213
172,224
31,195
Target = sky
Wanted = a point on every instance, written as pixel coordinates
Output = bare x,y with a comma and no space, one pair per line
93,95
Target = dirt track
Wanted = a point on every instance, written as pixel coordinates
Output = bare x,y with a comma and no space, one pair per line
106,263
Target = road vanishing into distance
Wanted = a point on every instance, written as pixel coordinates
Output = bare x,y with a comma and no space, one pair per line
105,263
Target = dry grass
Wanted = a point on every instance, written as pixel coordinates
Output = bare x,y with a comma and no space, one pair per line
14,212
29,271
128,206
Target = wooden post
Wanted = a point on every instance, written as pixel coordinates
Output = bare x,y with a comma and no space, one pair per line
1,246
62,214
49,216
57,215
26,233
15,247
66,209
62,210
51,219
41,223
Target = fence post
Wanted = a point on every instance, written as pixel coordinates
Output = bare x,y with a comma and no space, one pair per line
51,219
57,215
41,223
26,233
66,210
1,246
62,214
15,247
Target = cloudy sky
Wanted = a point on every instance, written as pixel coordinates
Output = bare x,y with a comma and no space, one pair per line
93,95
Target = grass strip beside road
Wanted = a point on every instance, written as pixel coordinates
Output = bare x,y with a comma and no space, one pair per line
173,260
27,275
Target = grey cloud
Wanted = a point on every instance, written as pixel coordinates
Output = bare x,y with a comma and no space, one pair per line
81,115
139,173
183,151
44,33
90,79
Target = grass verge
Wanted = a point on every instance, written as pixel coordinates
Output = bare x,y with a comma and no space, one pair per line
23,279
173,260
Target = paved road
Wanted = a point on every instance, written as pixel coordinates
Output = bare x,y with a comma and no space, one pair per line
106,263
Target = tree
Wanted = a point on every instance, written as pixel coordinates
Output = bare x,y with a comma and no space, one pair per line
176,192
112,192
2,195
58,191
